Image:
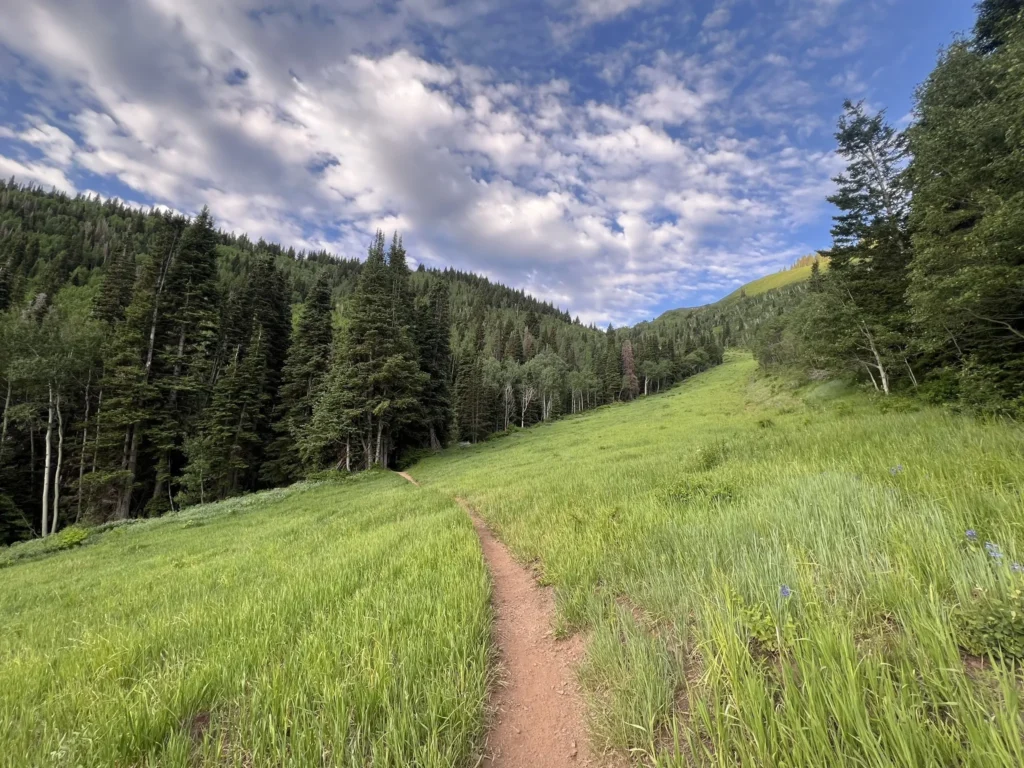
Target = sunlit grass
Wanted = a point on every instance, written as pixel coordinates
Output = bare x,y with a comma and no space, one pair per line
345,624
670,526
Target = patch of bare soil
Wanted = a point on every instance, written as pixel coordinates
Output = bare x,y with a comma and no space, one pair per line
539,719
539,715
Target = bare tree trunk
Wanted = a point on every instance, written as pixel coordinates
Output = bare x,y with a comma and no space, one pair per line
60,464
380,435
868,369
878,359
47,462
913,378
3,431
348,453
85,440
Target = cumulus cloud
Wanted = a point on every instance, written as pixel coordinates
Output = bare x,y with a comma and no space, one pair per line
315,124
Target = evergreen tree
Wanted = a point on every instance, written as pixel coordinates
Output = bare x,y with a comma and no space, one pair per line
118,284
433,327
303,375
513,348
377,380
967,176
611,374
225,444
871,251
630,384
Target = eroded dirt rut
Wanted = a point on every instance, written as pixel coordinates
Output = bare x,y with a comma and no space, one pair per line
539,716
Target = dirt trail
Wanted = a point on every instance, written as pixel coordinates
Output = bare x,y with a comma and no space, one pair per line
539,719
408,477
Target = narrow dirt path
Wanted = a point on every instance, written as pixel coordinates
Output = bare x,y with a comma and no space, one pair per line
408,477
539,717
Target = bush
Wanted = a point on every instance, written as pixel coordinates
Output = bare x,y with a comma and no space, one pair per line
702,488
992,623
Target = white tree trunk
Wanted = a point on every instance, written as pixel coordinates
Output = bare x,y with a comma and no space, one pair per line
3,432
878,359
60,465
47,463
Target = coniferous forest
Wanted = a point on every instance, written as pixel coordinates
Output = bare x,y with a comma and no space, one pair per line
925,291
149,361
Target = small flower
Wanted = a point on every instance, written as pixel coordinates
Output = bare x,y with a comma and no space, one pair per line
896,470
785,591
993,550
1017,568
972,535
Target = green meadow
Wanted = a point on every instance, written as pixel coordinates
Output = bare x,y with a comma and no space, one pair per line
674,528
341,624
765,575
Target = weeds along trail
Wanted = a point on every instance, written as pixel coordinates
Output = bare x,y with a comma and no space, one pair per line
539,717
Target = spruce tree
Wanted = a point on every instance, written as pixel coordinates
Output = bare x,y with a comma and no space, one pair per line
433,328
871,250
303,375
611,372
376,379
118,283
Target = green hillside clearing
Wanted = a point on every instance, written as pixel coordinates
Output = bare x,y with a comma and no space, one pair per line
796,274
765,576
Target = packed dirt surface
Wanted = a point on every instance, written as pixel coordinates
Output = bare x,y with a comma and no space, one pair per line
539,715
408,477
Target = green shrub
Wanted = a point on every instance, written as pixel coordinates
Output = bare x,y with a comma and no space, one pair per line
700,488
710,456
992,623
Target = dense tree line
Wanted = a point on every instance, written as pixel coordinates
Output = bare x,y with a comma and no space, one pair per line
149,361
926,286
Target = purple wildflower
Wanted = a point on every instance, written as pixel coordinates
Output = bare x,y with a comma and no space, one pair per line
972,535
993,550
785,591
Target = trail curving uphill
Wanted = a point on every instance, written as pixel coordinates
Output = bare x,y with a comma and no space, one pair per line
539,719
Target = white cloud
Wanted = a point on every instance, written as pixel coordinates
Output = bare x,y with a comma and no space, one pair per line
316,134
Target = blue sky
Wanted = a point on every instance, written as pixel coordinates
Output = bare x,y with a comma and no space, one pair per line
616,157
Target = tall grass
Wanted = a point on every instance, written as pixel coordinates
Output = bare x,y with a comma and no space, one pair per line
347,624
671,527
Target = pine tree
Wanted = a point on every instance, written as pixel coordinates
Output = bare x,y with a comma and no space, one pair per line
630,384
187,338
513,348
303,375
118,284
225,444
433,328
611,372
967,177
376,378
871,251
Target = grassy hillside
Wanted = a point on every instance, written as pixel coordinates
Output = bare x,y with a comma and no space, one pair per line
796,274
771,577
765,576
340,625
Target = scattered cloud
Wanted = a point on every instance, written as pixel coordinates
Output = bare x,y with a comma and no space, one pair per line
601,168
